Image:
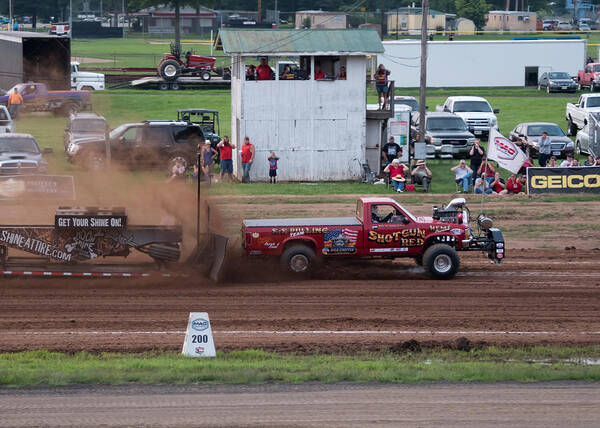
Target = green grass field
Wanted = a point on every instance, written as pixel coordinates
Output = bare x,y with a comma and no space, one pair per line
537,364
121,106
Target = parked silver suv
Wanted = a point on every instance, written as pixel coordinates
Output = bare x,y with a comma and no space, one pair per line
20,154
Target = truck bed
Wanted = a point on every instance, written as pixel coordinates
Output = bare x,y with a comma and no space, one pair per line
292,222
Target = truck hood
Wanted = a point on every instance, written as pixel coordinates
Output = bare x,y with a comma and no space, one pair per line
565,82
449,134
89,75
24,156
475,115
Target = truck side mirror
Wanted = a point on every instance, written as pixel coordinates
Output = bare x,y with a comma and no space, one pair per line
496,110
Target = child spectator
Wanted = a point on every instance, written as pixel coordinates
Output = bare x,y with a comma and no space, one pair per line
514,185
482,186
177,171
497,185
575,162
552,162
206,154
272,167
396,171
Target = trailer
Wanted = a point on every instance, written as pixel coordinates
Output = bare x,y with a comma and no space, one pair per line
35,57
184,82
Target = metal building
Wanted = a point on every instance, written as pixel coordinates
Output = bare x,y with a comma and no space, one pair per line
482,63
317,127
34,57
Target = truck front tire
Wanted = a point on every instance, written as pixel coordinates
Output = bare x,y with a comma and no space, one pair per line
298,259
441,261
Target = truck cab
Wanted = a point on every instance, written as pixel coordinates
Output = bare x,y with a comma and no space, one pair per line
589,76
85,80
475,111
380,228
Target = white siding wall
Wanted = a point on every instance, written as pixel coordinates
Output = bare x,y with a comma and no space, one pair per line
480,63
316,128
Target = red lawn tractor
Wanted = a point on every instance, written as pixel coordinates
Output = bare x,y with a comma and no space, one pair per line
172,65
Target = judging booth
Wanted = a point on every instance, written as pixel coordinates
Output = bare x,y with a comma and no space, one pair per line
309,106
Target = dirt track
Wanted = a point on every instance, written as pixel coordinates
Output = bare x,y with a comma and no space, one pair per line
543,293
535,297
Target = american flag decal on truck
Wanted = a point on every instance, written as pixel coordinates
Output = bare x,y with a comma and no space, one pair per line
340,241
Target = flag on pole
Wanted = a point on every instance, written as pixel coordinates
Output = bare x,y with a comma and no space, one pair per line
508,155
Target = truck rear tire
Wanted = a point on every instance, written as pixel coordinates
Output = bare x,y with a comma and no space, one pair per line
298,259
441,261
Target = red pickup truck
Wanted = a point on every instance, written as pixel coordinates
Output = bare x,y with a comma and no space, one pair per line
590,76
380,228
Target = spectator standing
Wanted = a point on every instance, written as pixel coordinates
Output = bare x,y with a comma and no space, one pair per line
272,167
476,155
514,185
463,175
381,83
396,171
226,152
263,71
567,162
422,175
206,155
251,72
319,74
15,100
545,149
497,185
482,186
342,73
389,151
247,159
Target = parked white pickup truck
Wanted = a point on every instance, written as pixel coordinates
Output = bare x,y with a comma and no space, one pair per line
475,111
85,80
6,122
577,114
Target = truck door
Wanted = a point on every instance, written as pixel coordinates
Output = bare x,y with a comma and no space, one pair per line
388,231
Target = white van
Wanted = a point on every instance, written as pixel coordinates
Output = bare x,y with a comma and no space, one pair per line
85,80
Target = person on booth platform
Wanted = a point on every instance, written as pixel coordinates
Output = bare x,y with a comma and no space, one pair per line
319,74
263,71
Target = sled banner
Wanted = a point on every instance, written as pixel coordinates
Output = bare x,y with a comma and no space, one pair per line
585,179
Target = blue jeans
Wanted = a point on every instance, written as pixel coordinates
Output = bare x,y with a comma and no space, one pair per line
398,185
479,190
466,180
246,172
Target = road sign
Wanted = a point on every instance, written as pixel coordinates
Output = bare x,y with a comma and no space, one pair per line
198,337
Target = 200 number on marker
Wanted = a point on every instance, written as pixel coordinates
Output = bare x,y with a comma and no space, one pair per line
199,338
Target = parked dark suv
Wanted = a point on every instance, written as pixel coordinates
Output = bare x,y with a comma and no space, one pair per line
84,126
150,144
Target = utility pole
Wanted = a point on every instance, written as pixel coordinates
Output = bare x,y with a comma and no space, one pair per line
10,13
423,86
123,12
259,11
71,17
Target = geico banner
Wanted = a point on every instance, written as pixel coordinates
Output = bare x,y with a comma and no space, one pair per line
585,179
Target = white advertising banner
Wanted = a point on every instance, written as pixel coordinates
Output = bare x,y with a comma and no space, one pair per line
198,337
399,128
508,155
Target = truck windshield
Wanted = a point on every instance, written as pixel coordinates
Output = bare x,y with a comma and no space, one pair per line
552,130
559,76
413,104
593,101
118,131
18,144
89,126
18,87
446,124
478,106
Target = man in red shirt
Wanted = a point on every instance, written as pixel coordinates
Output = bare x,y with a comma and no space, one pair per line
514,185
498,186
226,152
247,159
263,71
319,74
